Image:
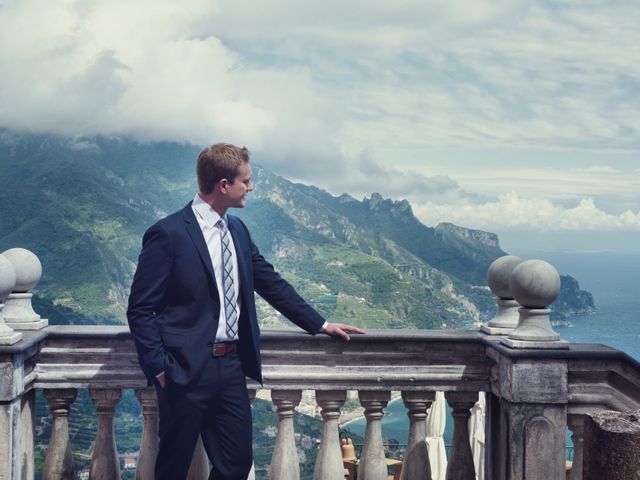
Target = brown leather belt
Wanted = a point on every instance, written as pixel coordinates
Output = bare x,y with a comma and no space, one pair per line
221,349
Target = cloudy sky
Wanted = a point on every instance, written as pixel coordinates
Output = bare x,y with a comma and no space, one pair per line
518,117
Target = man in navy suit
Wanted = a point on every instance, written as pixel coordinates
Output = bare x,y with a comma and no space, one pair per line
192,316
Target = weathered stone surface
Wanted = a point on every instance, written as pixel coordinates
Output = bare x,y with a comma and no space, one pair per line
611,446
19,313
575,423
499,275
416,463
284,463
27,435
149,442
460,466
7,277
534,283
411,361
58,464
27,266
373,465
9,418
530,443
542,381
506,319
329,463
104,461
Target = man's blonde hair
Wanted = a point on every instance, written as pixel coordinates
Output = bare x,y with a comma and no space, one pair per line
221,160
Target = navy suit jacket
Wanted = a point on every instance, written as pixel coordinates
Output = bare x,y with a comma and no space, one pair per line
174,305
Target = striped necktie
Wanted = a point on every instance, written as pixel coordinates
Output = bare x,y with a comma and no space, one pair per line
230,310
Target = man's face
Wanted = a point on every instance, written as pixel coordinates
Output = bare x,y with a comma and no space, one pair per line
236,191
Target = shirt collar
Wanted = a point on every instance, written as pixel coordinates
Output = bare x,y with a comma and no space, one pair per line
205,212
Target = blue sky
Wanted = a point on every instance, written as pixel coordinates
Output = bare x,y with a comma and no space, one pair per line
515,117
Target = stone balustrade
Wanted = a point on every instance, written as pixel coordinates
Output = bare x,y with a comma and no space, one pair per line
535,386
532,394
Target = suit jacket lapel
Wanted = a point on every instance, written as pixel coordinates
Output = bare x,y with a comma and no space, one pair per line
195,233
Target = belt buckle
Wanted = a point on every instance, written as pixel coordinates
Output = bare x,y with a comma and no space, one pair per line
219,349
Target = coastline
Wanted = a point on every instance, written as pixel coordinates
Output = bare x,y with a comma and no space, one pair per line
358,414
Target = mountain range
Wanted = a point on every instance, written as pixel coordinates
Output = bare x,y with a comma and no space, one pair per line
82,206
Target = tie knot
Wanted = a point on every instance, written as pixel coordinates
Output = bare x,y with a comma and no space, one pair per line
221,224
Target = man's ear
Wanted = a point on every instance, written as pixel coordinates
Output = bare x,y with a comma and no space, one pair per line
223,184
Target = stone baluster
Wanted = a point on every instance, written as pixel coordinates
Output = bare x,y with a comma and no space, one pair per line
18,312
199,469
416,460
58,464
27,444
329,464
460,466
7,284
506,318
284,463
252,396
373,465
576,425
149,443
104,461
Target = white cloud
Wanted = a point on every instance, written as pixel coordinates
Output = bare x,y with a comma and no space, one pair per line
140,69
510,211
597,169
313,88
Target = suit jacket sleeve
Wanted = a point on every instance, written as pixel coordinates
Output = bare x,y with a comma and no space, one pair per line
146,299
281,295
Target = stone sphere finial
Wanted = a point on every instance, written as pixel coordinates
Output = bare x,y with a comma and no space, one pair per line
7,278
500,273
27,267
535,284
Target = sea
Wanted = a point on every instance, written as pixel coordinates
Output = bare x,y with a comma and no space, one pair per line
614,281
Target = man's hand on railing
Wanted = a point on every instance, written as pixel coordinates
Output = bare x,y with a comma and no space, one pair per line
342,330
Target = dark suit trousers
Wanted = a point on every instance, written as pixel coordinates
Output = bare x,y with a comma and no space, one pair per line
219,409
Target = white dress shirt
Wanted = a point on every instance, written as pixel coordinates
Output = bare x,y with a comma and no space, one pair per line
207,218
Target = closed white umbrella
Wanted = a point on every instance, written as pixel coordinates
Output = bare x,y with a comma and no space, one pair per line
476,435
436,421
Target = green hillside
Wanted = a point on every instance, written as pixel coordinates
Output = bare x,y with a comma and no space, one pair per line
83,205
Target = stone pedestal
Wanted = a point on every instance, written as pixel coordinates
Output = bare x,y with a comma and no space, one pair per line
534,331
611,446
19,313
506,319
528,421
7,335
